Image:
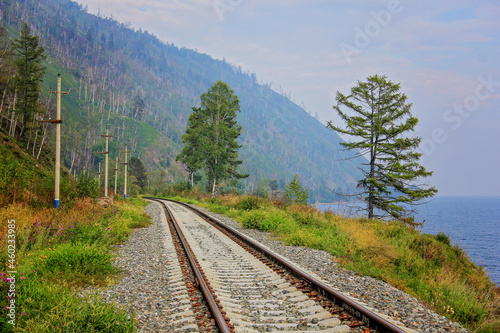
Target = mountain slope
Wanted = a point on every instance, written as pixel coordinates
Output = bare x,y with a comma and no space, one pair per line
125,78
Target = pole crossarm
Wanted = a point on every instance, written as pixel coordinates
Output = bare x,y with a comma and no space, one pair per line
58,121
61,92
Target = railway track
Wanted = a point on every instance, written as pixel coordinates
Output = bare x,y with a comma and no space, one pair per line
226,282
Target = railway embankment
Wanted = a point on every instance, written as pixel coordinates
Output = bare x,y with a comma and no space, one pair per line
438,276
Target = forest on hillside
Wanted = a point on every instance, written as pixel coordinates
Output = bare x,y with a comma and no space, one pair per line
144,89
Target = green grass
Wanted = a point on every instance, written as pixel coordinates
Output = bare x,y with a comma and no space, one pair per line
426,266
59,252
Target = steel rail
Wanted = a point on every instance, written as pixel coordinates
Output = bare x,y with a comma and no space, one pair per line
203,285
369,318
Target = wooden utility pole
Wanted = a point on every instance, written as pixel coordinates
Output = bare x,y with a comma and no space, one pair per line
106,153
58,123
125,163
99,174
116,173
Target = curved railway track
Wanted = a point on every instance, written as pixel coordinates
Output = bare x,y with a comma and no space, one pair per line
234,284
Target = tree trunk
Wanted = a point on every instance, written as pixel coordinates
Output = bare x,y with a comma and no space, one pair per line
213,188
34,143
43,140
3,100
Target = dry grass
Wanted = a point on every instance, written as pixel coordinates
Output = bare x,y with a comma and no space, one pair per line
426,266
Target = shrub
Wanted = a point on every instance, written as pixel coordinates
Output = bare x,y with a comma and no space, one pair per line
443,238
294,192
249,203
182,186
87,186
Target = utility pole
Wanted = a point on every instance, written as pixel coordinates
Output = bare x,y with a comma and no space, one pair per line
116,173
125,163
107,136
58,122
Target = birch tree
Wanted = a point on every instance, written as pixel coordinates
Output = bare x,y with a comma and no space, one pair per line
210,139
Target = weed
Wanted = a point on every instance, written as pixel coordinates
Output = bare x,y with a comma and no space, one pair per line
249,203
60,252
426,266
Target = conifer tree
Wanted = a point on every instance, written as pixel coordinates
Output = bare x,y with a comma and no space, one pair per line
137,169
6,68
28,58
210,139
379,119
191,154
294,192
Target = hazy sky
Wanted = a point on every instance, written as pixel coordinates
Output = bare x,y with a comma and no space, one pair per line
446,54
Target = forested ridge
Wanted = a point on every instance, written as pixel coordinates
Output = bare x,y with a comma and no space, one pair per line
144,90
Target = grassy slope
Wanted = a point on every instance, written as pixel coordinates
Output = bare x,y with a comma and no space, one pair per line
426,266
58,252
76,118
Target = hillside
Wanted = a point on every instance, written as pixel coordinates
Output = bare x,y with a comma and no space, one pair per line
26,179
144,90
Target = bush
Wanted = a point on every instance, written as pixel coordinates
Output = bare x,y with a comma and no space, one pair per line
249,203
255,220
87,186
295,193
182,186
443,238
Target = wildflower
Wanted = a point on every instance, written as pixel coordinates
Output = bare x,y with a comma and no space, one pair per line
6,307
23,314
23,278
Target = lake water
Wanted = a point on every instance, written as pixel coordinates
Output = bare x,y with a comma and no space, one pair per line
472,222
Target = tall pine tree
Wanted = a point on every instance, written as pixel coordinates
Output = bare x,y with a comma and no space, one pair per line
28,59
6,69
191,154
210,139
380,122
137,169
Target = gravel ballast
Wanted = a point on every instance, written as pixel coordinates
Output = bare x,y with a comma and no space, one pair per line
144,291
